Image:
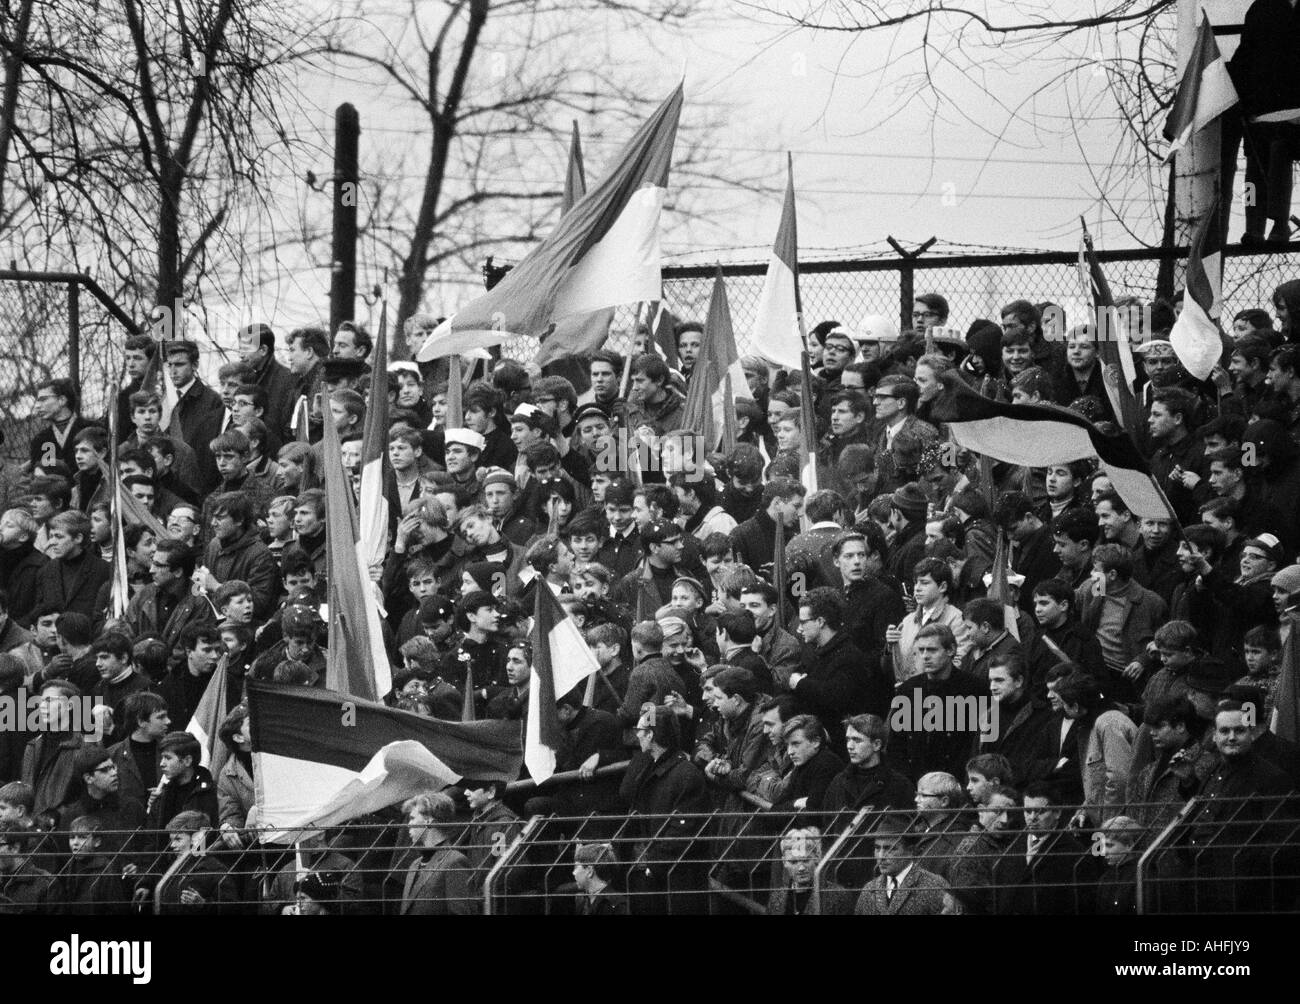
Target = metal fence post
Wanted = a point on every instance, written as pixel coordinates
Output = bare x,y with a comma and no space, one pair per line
907,279
74,333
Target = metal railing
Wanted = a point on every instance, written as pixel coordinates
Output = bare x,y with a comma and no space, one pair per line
1218,856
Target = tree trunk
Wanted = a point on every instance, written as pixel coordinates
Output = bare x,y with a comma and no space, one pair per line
13,72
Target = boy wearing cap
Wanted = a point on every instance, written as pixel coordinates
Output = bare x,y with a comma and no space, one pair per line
649,586
500,499
462,453
1247,602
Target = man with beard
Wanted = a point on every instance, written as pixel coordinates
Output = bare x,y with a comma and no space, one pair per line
971,875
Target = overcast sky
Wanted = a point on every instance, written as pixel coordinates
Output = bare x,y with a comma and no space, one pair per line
994,165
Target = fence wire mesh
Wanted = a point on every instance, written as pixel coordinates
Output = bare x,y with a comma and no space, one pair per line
1219,856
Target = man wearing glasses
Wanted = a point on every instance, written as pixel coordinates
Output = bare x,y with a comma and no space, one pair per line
929,310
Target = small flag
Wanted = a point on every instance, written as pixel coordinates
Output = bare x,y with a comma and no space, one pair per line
207,718
561,661
356,663
1204,93
663,333
776,334
1113,349
602,253
581,333
1198,340
705,410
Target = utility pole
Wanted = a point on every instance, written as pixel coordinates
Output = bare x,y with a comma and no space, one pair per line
343,269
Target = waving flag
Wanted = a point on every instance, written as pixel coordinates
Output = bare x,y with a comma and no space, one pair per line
580,333
1118,370
602,253
561,661
1036,435
1198,340
322,758
1285,723
207,719
356,662
776,335
1204,93
379,500
708,409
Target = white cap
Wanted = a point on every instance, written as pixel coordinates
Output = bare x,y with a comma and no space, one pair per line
877,328
466,437
402,366
1013,579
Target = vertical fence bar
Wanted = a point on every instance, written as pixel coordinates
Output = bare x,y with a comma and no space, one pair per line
74,333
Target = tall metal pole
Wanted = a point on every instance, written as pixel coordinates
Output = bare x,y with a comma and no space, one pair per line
343,273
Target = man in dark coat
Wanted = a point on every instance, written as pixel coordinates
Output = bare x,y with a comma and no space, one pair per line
870,606
24,888
1026,734
867,781
835,680
197,415
754,541
237,552
184,785
49,760
257,347
20,565
815,765
74,574
921,747
1047,870
1033,552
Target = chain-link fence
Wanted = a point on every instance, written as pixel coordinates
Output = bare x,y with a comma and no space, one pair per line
55,325
1212,855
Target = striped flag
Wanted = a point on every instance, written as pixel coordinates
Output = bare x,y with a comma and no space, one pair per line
121,589
1035,435
1204,93
603,252
1198,340
356,663
300,422
323,758
1118,370
706,405
663,334
581,333
561,661
776,335
378,498
207,718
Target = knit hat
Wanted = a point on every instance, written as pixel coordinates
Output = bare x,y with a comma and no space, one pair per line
619,493
435,608
466,437
1269,545
590,411
910,499
1288,578
501,478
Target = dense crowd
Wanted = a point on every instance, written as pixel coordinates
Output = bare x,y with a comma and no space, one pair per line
1138,665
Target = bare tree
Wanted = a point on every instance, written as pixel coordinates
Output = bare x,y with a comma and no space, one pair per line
497,82
1127,45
